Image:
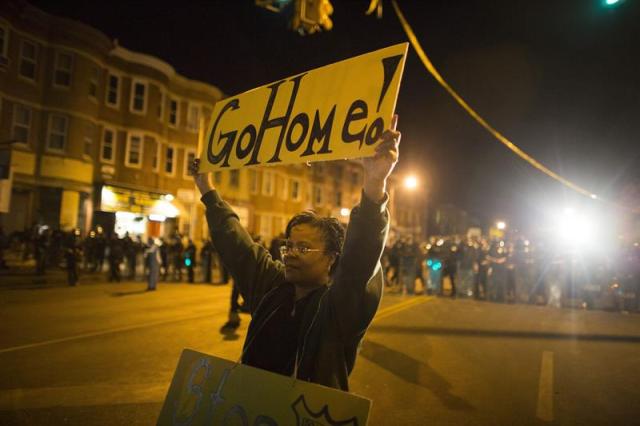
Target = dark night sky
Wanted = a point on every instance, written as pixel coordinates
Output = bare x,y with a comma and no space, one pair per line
560,78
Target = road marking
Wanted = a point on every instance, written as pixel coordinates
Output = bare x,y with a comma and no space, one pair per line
401,306
104,332
545,388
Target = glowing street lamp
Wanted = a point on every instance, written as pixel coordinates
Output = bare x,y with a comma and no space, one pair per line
501,225
411,182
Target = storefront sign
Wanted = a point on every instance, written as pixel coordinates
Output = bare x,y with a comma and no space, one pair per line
334,112
116,199
212,391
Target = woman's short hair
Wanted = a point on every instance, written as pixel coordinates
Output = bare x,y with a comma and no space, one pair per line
332,231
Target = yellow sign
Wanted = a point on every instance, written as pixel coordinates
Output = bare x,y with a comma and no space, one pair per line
116,199
206,390
334,112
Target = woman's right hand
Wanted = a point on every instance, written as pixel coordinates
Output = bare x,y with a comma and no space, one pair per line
201,179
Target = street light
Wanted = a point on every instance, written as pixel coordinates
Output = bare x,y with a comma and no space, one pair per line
411,182
501,225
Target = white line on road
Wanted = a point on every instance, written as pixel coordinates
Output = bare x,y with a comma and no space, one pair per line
545,388
103,332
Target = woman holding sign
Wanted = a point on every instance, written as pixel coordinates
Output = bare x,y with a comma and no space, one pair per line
310,313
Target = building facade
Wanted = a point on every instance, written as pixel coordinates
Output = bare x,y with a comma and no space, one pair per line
100,135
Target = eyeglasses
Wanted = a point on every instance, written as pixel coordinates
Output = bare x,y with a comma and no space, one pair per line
289,247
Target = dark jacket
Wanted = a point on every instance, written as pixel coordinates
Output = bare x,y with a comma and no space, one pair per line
337,316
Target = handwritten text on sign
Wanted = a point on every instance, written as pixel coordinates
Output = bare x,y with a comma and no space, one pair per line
334,112
206,390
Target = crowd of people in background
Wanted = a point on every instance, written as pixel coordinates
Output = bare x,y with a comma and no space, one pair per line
516,271
121,258
496,270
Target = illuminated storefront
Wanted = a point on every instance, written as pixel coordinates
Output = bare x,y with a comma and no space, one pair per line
148,214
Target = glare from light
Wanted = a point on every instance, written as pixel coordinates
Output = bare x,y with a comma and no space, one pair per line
501,225
164,208
574,228
411,182
157,217
594,196
344,212
168,197
124,216
108,197
611,2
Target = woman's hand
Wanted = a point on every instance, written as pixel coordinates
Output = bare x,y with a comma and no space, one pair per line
378,168
201,179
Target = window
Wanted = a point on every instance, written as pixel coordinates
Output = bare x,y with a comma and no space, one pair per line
189,156
355,178
284,189
28,55
58,132
107,152
267,183
160,108
156,157
138,97
265,225
174,112
113,90
295,190
93,83
62,70
169,162
253,181
21,124
88,139
234,179
317,195
133,157
4,41
217,178
193,117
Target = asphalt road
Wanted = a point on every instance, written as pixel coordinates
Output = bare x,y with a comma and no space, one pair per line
105,354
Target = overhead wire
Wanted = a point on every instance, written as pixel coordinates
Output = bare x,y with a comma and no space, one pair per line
499,136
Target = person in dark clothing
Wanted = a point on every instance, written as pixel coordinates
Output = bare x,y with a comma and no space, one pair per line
310,313
100,248
71,259
116,254
450,268
164,259
206,257
190,260
176,257
129,251
41,251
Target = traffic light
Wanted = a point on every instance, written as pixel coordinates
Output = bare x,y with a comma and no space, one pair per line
312,15
612,3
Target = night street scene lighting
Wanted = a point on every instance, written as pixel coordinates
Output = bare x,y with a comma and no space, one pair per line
490,277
